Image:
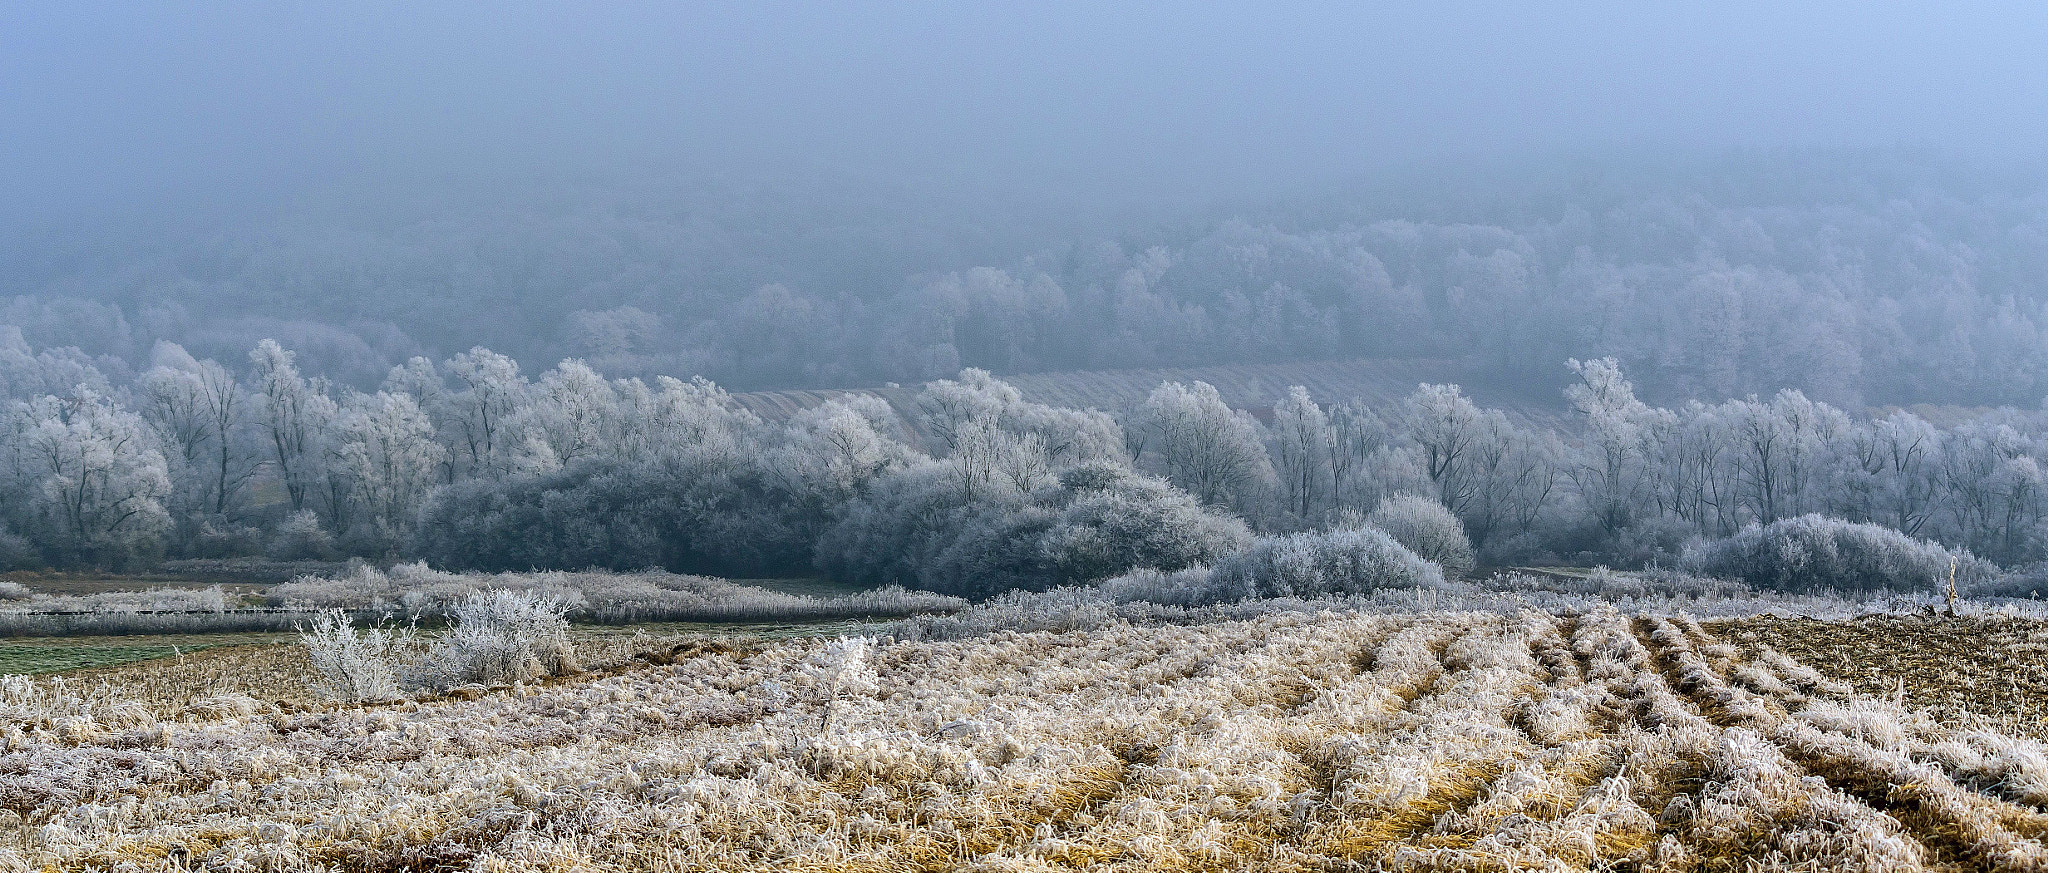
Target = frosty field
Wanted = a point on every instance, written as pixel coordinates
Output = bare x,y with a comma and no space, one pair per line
1451,741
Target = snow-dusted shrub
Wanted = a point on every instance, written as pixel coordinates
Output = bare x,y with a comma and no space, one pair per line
498,637
1812,552
1094,521
1059,610
2026,580
209,599
1326,563
682,513
358,586
355,665
15,591
1111,520
1427,529
1195,586
300,537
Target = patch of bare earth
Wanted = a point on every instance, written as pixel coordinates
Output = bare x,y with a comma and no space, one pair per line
1963,671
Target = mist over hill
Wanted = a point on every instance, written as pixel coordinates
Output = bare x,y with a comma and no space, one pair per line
1037,296
1860,278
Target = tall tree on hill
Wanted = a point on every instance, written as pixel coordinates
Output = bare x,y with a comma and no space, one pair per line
294,414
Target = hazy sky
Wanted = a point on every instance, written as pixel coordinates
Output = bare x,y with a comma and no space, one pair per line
124,104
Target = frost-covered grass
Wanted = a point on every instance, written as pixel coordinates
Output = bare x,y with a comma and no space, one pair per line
600,597
1293,740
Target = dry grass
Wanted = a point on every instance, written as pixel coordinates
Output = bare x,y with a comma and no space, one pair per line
1436,741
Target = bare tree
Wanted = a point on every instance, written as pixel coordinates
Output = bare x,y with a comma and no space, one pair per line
1203,445
1304,445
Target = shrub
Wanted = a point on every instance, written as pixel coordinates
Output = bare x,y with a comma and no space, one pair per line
355,666
1815,552
300,537
1195,586
1323,564
1098,520
498,637
1427,529
600,597
615,515
1114,520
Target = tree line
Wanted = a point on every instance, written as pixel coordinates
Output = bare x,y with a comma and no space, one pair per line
471,463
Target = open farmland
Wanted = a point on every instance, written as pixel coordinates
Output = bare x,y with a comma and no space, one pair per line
1453,741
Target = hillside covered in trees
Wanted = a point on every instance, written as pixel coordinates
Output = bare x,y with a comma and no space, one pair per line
1653,359
1859,279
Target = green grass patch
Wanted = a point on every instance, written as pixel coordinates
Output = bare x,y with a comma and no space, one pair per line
36,660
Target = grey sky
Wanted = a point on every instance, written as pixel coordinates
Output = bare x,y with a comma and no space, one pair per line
249,103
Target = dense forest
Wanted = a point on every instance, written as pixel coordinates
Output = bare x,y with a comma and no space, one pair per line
1726,345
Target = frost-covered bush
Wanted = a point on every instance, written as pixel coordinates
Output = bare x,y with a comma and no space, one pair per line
1060,610
1327,563
681,514
300,537
1112,520
1815,552
498,637
358,586
354,665
209,599
1094,521
600,597
1194,586
15,591
1428,530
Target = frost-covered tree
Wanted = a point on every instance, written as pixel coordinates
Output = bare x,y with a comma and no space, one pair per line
572,414
1895,474
197,409
832,454
1515,476
490,393
100,481
294,413
1303,448
1443,423
1611,472
171,398
1202,445
225,404
384,448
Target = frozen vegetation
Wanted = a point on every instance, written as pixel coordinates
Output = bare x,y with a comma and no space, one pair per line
414,590
1731,347
969,488
1293,740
